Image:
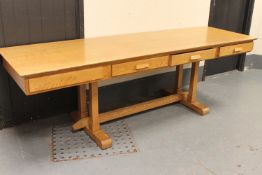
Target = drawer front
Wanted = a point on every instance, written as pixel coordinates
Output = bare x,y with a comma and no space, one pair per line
139,66
236,49
67,79
193,57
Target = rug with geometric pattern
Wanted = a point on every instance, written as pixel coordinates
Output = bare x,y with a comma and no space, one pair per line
67,145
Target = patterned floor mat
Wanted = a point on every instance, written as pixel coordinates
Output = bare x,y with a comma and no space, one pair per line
68,145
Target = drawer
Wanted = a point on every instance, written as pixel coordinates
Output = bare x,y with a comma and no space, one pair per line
139,66
67,79
193,56
236,49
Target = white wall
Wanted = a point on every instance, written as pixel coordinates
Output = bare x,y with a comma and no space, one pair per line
256,27
111,17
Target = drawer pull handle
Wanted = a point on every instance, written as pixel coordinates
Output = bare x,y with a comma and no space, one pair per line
238,49
195,57
142,66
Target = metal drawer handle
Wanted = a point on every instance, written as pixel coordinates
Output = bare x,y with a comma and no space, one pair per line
195,57
238,49
142,66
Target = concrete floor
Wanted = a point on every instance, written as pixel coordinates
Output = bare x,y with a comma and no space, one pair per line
172,139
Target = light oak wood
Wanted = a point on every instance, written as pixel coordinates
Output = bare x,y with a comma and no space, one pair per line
93,106
67,79
45,67
100,137
93,127
46,58
80,123
140,65
193,56
179,79
236,49
195,105
82,105
190,97
122,112
20,81
115,114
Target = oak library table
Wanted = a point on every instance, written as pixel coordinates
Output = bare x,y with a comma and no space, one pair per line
38,68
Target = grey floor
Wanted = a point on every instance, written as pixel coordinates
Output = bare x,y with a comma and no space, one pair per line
171,140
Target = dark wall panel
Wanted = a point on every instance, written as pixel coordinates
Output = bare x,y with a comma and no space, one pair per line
21,21
230,15
53,20
9,26
1,30
5,101
71,31
22,106
36,21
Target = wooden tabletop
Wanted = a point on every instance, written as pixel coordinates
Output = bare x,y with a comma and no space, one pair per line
50,57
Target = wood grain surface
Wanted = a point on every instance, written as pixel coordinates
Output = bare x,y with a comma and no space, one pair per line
47,58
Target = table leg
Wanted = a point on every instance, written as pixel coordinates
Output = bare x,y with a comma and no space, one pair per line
92,126
190,98
179,79
82,105
94,130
